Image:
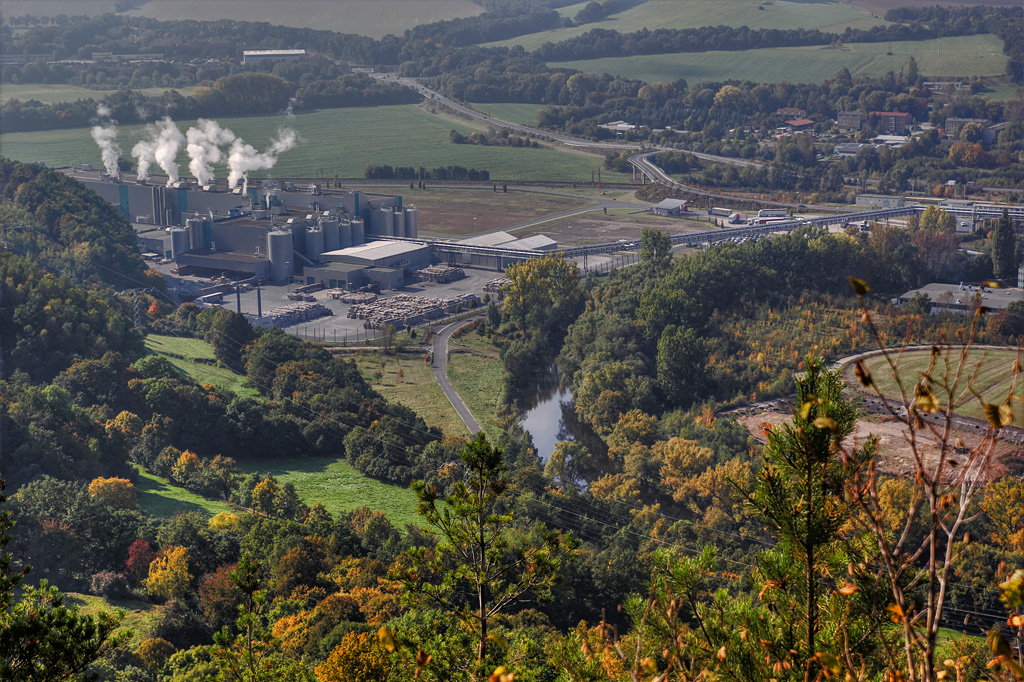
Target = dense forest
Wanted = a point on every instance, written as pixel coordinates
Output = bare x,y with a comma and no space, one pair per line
661,547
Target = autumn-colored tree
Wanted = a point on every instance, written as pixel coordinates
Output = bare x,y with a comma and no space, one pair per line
1003,505
118,493
154,653
140,555
264,495
219,599
300,567
169,576
187,469
359,656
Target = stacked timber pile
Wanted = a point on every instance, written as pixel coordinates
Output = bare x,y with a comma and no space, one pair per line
441,274
309,288
404,309
294,313
493,286
296,296
353,297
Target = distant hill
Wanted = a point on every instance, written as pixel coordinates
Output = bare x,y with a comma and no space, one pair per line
374,18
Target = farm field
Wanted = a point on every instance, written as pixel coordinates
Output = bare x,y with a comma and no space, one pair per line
417,388
48,94
991,369
475,370
194,357
514,112
780,14
374,18
962,56
162,498
333,142
339,487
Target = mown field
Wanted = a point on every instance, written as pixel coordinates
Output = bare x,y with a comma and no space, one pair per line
475,370
781,14
164,499
140,617
333,142
48,94
962,56
373,18
514,112
194,357
416,388
990,371
339,487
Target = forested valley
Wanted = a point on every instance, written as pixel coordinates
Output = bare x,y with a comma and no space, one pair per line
669,545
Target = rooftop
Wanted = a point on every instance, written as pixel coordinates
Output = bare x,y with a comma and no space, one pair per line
379,249
963,296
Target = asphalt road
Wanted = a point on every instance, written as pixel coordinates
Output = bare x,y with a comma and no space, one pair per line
568,140
440,367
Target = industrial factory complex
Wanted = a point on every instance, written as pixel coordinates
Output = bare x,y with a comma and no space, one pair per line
279,232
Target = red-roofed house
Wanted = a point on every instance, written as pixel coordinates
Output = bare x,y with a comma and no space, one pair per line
892,122
800,124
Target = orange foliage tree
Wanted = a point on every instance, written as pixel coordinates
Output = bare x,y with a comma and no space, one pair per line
118,493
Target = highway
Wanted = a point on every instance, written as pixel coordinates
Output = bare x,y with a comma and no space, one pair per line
567,140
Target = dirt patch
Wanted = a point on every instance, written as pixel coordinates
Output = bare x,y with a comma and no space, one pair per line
895,454
468,212
595,228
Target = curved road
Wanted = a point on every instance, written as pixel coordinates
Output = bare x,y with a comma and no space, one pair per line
558,137
440,367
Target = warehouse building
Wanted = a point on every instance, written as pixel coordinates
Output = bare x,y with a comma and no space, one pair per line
264,56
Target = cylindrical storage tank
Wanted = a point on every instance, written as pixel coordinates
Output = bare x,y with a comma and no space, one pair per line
399,223
410,222
298,230
376,222
387,222
197,233
345,234
358,232
314,244
179,241
280,254
332,234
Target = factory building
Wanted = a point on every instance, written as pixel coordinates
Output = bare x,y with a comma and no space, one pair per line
263,56
269,232
538,243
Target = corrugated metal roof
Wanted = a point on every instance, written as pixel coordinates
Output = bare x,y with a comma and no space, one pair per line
382,249
489,239
537,242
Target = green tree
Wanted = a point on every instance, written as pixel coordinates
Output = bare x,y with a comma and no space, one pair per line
682,365
481,564
655,246
41,639
229,334
1004,248
799,490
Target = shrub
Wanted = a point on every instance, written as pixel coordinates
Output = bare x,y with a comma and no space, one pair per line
110,585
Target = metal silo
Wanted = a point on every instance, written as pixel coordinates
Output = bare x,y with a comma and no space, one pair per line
197,233
314,244
344,234
179,241
298,230
280,253
411,230
332,233
387,222
399,226
358,232
376,222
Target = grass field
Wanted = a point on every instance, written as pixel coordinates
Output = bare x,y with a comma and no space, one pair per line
780,14
184,353
462,212
979,55
139,617
164,499
48,94
990,370
417,388
373,18
475,370
334,141
339,487
523,114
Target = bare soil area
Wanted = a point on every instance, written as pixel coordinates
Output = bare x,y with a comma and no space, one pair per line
465,212
895,454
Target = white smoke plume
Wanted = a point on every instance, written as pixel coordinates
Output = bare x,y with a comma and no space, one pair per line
204,148
162,145
244,157
105,134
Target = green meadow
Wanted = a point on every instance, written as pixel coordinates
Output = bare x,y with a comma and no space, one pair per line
162,498
962,56
780,14
523,114
48,94
333,142
194,358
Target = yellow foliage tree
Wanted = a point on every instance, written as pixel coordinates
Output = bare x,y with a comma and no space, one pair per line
168,574
118,493
154,653
224,521
1004,507
187,467
682,461
358,657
